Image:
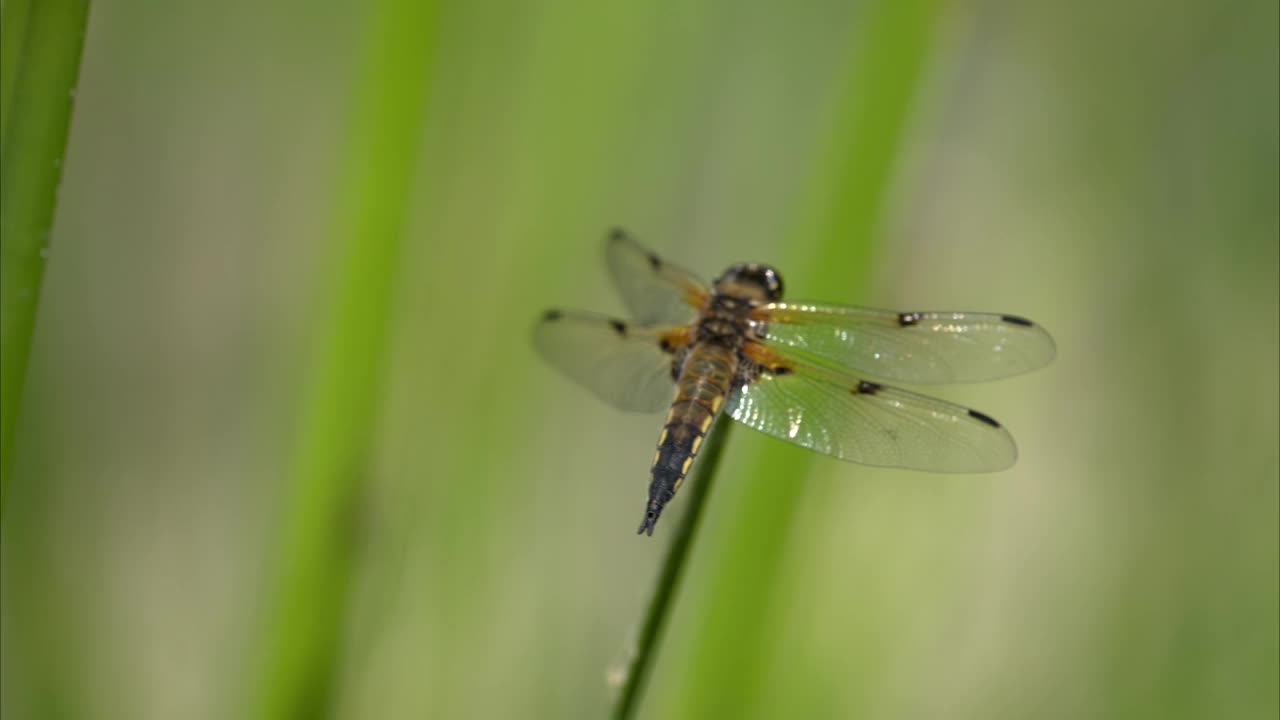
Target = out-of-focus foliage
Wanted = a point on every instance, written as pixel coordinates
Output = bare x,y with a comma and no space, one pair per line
39,63
1108,170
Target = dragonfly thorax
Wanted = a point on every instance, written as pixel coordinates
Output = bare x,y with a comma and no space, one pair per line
726,318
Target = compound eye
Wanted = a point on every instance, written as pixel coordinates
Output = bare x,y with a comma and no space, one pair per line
773,281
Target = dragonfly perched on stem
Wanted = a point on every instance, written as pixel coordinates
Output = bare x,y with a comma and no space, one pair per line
806,372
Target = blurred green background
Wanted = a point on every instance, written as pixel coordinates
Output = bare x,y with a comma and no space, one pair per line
1110,170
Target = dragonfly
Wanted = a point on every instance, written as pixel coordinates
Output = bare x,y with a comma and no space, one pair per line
813,374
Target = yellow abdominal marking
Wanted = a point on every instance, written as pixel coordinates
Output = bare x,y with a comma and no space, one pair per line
706,423
715,404
687,462
696,442
656,454
664,436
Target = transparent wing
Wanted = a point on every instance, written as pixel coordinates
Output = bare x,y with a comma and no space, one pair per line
910,347
825,410
627,366
655,291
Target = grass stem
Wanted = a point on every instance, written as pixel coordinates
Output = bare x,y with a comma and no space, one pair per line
295,672
660,604
39,64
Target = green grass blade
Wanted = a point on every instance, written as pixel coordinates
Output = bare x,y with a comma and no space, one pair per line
728,655
13,36
39,64
673,566
293,678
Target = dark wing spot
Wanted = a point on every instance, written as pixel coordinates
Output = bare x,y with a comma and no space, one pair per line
617,234
552,315
655,262
1015,320
908,318
867,388
664,345
783,370
983,418
619,327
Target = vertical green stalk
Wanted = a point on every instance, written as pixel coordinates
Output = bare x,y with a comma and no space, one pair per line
40,47
293,675
729,656
659,610
13,35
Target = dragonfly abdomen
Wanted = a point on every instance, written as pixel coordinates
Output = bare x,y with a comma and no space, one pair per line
701,388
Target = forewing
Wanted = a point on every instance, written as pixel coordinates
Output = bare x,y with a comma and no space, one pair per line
864,422
627,366
910,347
655,291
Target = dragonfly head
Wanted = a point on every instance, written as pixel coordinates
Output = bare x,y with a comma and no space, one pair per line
752,280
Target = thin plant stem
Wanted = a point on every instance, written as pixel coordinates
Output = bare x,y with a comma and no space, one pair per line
293,675
887,67
661,602
39,65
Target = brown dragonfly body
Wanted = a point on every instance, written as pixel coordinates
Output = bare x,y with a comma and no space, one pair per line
706,371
